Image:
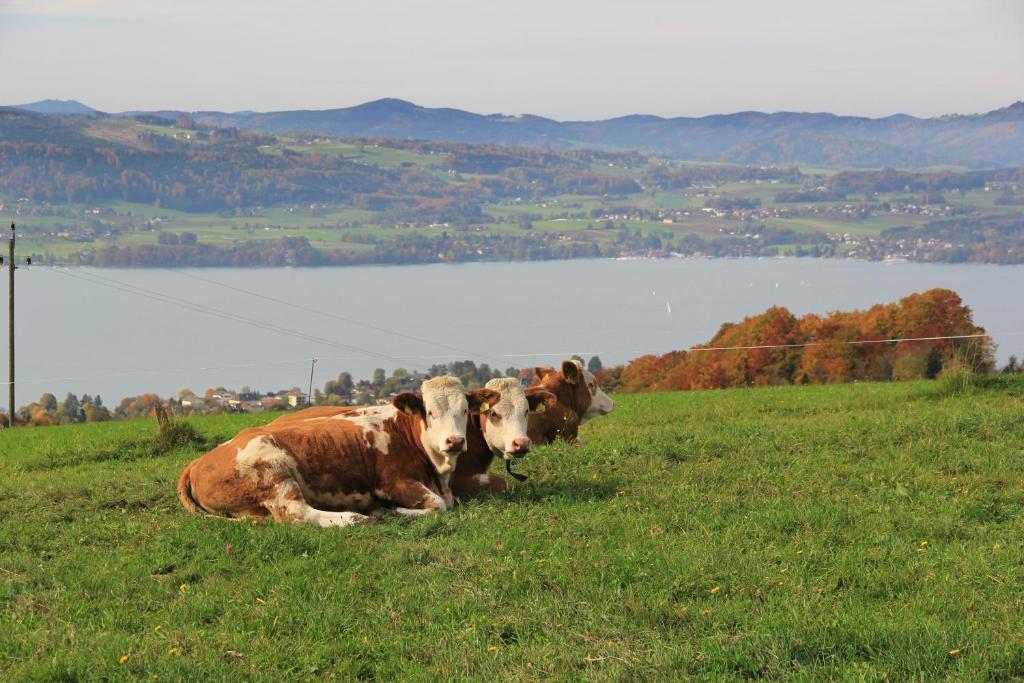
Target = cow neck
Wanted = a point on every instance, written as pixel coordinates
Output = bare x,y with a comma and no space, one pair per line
478,456
414,422
563,390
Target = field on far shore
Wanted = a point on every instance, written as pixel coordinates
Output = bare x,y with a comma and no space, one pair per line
864,531
348,229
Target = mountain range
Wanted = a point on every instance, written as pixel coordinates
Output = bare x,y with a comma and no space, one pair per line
995,138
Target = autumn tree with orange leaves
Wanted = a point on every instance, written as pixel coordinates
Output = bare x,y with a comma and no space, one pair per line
776,348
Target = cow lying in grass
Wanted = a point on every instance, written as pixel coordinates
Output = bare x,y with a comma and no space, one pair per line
497,429
579,399
500,431
332,469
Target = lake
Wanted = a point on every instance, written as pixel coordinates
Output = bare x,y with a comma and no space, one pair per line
124,332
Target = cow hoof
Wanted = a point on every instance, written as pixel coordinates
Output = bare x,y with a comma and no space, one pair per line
577,441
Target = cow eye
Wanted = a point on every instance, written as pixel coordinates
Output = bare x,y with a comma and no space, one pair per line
495,417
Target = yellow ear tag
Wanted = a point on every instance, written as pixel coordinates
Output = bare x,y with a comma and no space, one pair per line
541,408
484,407
408,410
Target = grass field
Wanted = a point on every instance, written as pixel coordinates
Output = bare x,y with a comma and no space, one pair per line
856,532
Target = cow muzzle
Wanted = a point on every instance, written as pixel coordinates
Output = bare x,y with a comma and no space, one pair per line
454,445
520,447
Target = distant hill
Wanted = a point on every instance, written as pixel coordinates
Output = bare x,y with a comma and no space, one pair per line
65,107
995,138
992,139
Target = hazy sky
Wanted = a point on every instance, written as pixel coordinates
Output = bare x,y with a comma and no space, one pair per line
561,58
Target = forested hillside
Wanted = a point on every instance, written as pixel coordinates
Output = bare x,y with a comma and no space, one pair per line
154,191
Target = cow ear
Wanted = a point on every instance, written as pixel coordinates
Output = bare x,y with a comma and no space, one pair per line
540,401
540,373
481,400
571,371
409,403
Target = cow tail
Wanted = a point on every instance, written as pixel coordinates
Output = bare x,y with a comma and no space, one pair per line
185,492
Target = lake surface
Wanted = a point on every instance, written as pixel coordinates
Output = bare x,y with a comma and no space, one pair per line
120,336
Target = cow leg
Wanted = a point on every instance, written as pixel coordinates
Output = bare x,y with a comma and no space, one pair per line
470,486
289,505
412,498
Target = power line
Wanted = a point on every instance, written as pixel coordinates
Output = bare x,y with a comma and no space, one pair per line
217,313
315,311
164,371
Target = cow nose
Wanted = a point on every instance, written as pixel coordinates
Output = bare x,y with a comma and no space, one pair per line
453,443
521,446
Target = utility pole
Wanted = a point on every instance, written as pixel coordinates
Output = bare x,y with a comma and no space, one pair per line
309,396
10,330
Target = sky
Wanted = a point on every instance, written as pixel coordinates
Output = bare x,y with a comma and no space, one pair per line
566,59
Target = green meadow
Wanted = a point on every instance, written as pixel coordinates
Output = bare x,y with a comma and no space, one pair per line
854,532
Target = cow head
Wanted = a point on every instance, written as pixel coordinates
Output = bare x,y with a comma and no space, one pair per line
600,402
504,422
443,409
577,388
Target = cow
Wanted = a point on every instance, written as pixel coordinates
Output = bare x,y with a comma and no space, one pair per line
579,399
334,469
498,431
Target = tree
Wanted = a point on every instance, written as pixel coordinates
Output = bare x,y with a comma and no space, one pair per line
379,375
94,413
49,402
71,409
595,364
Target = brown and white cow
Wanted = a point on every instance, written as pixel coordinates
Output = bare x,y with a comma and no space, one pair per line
580,398
333,468
499,431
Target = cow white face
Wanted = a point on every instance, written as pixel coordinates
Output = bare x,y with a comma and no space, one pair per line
444,410
600,402
504,422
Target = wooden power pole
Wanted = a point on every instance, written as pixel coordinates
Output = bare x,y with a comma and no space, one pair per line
309,396
10,330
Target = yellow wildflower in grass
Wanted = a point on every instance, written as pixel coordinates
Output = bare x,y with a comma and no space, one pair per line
714,590
954,652
123,659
